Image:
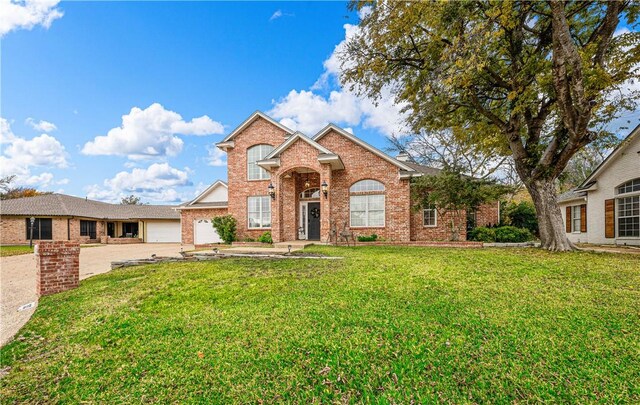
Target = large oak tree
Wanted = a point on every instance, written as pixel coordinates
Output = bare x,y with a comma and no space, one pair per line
538,79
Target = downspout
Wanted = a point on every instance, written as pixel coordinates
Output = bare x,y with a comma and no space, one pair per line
68,228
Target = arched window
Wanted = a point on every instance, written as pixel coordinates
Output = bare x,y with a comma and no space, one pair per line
366,204
366,185
629,187
310,193
255,153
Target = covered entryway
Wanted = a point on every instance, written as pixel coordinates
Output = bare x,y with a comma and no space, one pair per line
163,232
204,233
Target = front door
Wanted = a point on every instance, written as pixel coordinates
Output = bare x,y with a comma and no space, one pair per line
111,229
313,221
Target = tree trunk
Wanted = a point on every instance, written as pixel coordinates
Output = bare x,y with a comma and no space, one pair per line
553,235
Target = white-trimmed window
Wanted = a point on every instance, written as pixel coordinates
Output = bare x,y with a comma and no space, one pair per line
367,204
575,218
629,217
259,212
254,154
430,216
313,192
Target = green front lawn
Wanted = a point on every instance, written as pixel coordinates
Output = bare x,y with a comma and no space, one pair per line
387,324
14,250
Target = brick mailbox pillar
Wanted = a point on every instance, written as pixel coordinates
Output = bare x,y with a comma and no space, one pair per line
58,266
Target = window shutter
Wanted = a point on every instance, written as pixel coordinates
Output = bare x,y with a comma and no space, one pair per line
609,218
568,220
583,218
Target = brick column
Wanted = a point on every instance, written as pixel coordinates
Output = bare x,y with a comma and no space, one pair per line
58,266
325,204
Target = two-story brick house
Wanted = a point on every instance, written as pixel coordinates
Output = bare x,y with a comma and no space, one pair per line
301,187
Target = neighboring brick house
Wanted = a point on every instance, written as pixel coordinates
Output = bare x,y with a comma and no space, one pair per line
61,217
605,208
300,187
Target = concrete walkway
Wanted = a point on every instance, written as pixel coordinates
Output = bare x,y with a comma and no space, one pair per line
18,277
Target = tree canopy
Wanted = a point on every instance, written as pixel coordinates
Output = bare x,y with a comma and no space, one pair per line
534,80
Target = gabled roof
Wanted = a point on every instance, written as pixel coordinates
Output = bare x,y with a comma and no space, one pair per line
363,144
195,203
248,121
612,156
68,206
572,195
292,139
324,154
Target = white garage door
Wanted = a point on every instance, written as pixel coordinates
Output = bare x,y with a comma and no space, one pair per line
204,232
163,232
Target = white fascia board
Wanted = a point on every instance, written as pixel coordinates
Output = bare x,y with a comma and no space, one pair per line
248,121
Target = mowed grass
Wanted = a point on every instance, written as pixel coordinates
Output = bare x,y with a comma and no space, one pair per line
384,325
15,250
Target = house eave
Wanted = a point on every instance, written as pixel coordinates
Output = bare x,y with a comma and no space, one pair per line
404,175
269,163
331,159
225,145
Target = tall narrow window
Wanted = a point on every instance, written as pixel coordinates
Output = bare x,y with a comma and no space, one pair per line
254,154
575,218
88,228
259,212
430,216
367,204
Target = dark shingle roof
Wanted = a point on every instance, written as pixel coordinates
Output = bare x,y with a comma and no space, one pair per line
428,170
571,195
69,206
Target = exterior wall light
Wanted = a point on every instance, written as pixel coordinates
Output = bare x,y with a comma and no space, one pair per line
272,191
325,188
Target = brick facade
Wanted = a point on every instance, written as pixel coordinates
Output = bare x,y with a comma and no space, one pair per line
57,266
187,216
14,230
299,164
258,132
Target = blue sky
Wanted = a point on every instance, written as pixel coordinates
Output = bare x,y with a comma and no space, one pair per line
132,95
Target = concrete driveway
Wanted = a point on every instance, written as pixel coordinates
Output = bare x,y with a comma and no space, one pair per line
18,277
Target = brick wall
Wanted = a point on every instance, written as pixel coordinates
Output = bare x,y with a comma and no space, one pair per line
361,164
188,216
57,266
13,230
488,214
440,232
258,132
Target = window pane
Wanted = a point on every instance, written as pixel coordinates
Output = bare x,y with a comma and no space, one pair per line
367,185
255,153
376,202
358,203
357,218
376,218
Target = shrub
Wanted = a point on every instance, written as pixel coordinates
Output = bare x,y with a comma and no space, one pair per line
482,234
364,238
226,227
265,238
522,215
248,240
502,234
511,234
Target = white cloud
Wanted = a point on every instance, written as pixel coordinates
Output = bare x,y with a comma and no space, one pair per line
151,132
43,126
157,183
20,156
26,14
216,157
277,14
308,111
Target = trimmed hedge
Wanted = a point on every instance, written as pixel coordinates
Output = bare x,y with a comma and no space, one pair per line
364,238
503,234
